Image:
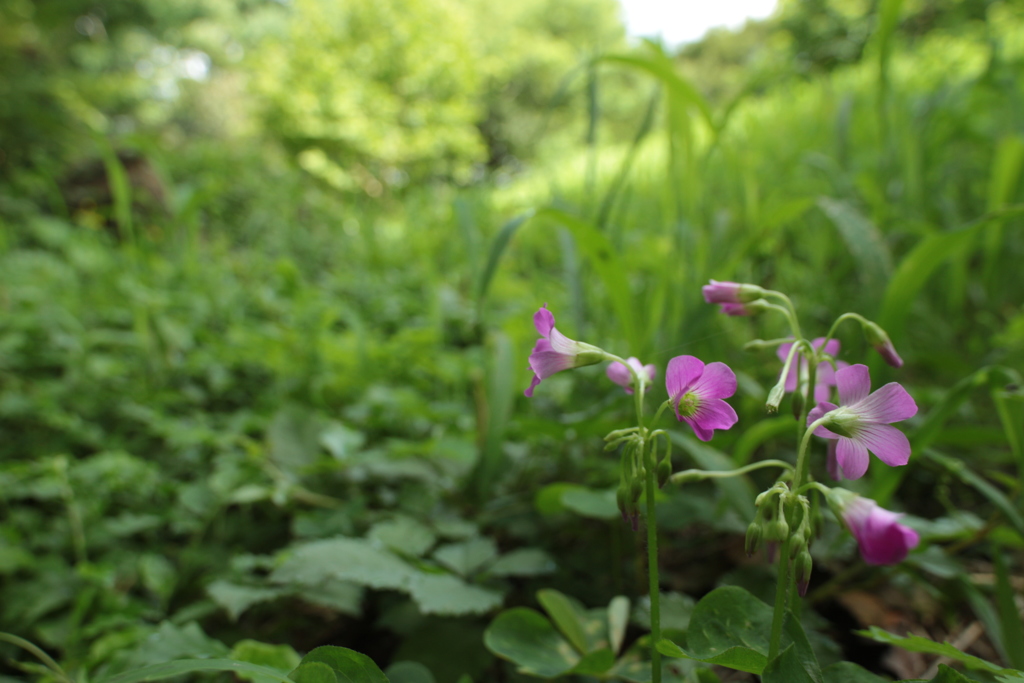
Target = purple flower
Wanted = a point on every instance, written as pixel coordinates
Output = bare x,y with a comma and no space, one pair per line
696,391
825,378
736,309
881,538
730,293
879,340
862,422
555,352
620,374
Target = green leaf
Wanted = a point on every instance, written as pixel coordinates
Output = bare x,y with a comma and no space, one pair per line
524,637
348,559
960,470
348,665
787,668
848,672
595,663
159,672
919,644
523,562
948,675
802,654
618,620
676,610
758,434
447,594
1011,628
729,627
664,71
863,240
467,557
313,672
403,535
498,246
567,614
236,598
592,503
340,596
282,658
409,672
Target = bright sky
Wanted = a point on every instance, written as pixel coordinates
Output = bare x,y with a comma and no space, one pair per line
683,21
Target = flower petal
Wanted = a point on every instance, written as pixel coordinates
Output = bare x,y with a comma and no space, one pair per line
681,373
852,458
832,348
562,344
817,412
652,371
528,392
889,404
619,373
822,391
854,384
888,443
717,381
711,415
544,320
546,363
783,351
721,292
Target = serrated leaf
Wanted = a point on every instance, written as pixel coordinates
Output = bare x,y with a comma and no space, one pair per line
524,637
467,557
347,559
447,594
948,675
237,598
404,535
349,666
523,562
919,644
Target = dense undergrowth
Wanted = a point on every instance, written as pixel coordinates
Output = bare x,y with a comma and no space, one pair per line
287,414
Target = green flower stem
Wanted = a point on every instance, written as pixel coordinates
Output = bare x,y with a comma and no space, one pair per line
39,654
801,459
817,486
781,599
844,317
661,409
790,311
694,475
653,586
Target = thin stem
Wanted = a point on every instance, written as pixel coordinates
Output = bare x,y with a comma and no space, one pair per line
661,409
722,474
835,326
39,654
781,599
653,585
790,311
802,456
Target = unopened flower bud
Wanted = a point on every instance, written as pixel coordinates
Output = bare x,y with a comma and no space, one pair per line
777,530
622,499
753,539
687,476
775,397
664,472
798,404
797,543
879,339
804,565
636,487
731,292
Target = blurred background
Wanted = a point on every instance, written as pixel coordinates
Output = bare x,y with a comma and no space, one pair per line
267,277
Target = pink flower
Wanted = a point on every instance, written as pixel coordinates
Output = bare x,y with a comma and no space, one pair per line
825,378
620,374
881,538
555,352
862,422
696,391
730,293
879,340
736,309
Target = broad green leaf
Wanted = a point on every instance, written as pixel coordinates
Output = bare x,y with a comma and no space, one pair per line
447,594
409,672
467,557
524,637
403,535
159,672
349,666
567,614
595,663
172,641
676,610
313,672
523,562
848,672
729,627
802,655
618,620
919,644
236,598
348,559
282,658
334,594
786,668
593,503
948,675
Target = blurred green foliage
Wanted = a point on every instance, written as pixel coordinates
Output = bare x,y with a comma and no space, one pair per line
314,346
